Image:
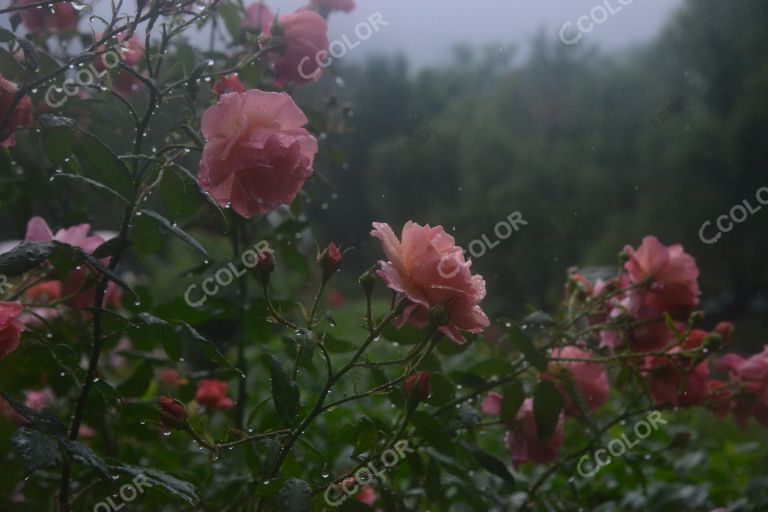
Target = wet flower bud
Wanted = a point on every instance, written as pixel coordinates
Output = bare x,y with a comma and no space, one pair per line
417,386
173,414
368,280
266,265
330,260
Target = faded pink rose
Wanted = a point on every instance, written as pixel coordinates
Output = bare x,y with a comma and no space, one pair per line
367,496
10,328
671,385
257,155
229,83
131,53
304,45
212,393
751,376
523,442
77,236
492,404
672,274
60,17
590,379
429,269
257,17
326,6
38,400
19,118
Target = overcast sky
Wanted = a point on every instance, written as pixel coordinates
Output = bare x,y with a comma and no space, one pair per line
426,29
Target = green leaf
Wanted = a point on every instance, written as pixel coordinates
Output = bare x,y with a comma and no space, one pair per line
490,463
86,457
37,450
433,432
513,398
295,496
539,318
24,257
547,405
43,420
58,145
522,343
156,478
52,121
105,166
209,349
231,15
93,183
285,392
95,263
177,232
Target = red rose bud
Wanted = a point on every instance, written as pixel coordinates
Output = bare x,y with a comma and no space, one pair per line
173,414
330,260
228,83
265,265
417,386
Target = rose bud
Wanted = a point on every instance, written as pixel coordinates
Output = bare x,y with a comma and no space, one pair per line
725,329
329,260
173,414
266,265
417,386
228,83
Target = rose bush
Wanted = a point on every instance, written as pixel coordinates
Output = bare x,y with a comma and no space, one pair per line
260,398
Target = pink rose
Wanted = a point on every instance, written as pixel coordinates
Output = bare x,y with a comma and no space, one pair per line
751,376
367,496
326,6
522,439
10,328
492,404
257,17
131,53
229,83
304,36
77,236
19,118
39,399
590,379
213,394
670,385
257,155
430,271
60,17
672,274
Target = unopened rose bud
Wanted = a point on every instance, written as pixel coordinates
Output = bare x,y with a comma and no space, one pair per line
173,414
330,260
368,280
725,329
265,266
417,387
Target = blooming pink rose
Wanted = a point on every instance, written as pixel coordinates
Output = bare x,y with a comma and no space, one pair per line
10,328
492,404
170,379
590,379
672,273
522,439
213,394
304,36
326,6
19,118
429,269
60,17
229,83
77,236
257,155
257,17
751,376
